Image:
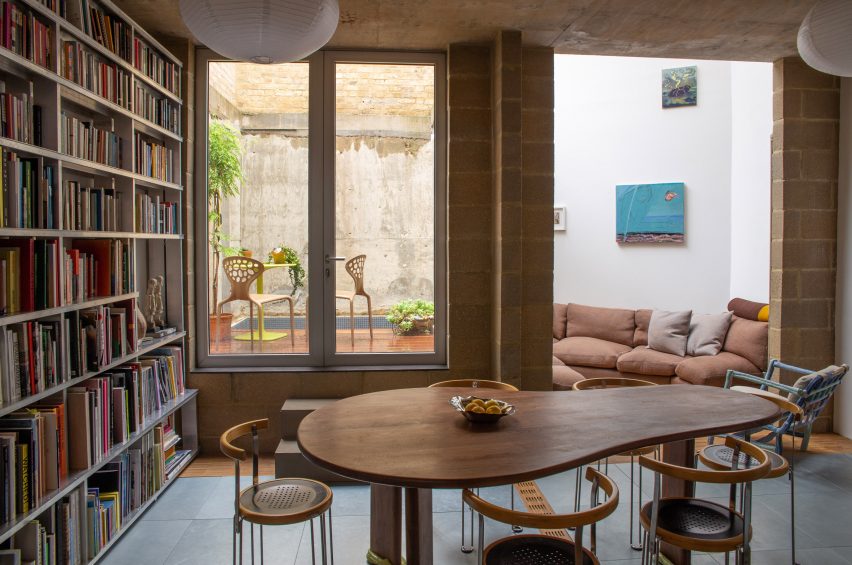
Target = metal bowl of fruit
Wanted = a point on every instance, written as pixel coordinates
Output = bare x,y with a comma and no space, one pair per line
477,409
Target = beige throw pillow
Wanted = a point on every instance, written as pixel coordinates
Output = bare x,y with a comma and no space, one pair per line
707,333
668,331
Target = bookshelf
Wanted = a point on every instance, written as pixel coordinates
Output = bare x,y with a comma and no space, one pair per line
95,422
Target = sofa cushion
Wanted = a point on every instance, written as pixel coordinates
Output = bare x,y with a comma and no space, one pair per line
565,377
710,369
556,361
707,333
609,324
645,361
589,352
748,339
668,331
643,320
559,320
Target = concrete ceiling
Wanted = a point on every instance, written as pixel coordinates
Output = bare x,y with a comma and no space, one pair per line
755,30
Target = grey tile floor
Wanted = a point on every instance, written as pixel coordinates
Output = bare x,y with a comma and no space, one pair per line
191,523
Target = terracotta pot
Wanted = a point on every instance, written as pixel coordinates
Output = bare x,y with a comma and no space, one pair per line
246,253
220,326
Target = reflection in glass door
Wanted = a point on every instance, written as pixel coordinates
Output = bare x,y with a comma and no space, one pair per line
384,216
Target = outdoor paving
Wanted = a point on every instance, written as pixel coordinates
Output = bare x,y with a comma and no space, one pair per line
191,523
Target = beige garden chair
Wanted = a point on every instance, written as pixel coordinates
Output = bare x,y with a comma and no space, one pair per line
355,268
242,272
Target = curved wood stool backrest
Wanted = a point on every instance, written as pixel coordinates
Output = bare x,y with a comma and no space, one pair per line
475,383
238,454
794,409
609,382
557,521
734,476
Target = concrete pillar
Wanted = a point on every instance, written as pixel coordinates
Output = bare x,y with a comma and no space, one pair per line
804,216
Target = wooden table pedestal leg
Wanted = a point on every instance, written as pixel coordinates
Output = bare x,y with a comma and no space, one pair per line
418,526
386,523
678,453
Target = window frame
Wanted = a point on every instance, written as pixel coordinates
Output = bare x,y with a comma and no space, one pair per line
322,354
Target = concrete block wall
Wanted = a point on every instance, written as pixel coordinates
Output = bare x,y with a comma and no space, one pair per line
803,258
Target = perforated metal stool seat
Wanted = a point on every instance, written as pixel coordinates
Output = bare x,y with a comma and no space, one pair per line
284,501
692,521
719,457
532,549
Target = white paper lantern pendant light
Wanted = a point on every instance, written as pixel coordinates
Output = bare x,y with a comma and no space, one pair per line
262,31
825,37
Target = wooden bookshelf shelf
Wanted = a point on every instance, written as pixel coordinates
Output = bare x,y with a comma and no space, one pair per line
76,478
74,393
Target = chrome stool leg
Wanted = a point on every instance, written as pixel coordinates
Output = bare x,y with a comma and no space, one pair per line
330,536
466,548
515,529
261,544
313,544
251,537
322,540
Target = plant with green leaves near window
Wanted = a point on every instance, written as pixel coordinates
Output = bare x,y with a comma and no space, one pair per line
224,174
287,255
412,316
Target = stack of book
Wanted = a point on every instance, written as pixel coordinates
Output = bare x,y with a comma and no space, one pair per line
20,117
58,6
99,268
29,274
31,359
91,208
158,109
80,138
33,457
110,31
152,65
25,34
154,160
107,333
156,216
30,198
96,74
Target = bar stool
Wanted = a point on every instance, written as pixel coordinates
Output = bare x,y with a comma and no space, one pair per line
618,382
518,550
720,457
477,383
703,525
277,502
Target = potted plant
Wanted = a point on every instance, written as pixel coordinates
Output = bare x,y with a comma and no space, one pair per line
412,317
245,252
282,255
224,173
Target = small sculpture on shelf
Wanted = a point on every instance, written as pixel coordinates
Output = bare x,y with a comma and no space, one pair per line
155,309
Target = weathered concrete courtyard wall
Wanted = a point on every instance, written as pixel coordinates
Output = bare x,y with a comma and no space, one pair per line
384,174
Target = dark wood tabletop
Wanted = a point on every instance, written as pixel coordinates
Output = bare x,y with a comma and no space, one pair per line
414,438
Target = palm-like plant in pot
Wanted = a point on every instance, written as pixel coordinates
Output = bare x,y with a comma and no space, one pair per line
224,173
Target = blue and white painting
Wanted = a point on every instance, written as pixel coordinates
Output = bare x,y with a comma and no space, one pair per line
649,213
680,87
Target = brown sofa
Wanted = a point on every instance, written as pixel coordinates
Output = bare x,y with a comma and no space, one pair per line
612,342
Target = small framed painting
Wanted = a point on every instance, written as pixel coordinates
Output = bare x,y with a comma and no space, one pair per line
680,87
559,218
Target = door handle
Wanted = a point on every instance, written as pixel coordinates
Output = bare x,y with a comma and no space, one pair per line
329,258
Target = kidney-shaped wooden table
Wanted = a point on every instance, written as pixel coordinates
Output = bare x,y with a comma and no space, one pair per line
413,439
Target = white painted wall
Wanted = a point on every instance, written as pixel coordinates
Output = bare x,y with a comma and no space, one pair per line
843,313
751,179
610,129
